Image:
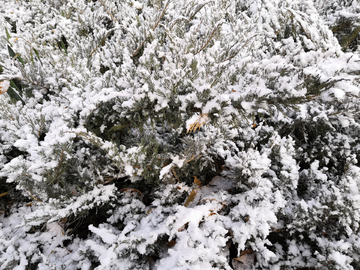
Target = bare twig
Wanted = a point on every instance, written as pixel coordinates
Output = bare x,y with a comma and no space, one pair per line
79,10
36,199
107,180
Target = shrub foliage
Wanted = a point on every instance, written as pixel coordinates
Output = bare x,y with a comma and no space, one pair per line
180,134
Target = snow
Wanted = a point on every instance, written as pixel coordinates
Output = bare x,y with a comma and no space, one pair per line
4,86
339,258
255,100
106,235
176,161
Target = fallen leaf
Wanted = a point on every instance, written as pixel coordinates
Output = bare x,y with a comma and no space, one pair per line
5,193
171,243
183,227
131,190
197,181
191,197
245,261
211,214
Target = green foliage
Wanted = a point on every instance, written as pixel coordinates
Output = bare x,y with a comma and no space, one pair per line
179,134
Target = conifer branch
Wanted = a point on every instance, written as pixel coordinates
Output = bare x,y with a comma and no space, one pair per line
108,11
300,24
207,42
28,80
162,14
138,49
102,41
156,25
196,11
246,43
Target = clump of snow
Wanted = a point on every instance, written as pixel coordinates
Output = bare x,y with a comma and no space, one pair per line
137,5
4,86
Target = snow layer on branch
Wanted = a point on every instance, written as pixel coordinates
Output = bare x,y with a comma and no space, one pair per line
179,134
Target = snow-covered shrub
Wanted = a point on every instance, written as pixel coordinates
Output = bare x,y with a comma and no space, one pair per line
179,134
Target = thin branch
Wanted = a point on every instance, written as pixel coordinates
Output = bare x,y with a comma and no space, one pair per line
107,35
36,199
162,14
107,180
108,12
211,36
199,7
176,21
79,10
28,80
231,57
301,25
156,25
197,11
138,49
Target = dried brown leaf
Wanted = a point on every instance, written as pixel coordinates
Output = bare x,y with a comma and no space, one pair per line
4,194
197,181
183,227
171,243
191,197
131,190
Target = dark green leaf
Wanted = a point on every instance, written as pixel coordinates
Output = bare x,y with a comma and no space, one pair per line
63,45
12,93
13,84
37,54
15,55
7,34
11,52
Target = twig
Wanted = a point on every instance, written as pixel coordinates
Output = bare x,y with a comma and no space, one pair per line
107,35
162,14
107,180
197,11
79,10
156,25
231,57
300,23
138,49
175,174
36,199
27,79
211,36
108,12
42,121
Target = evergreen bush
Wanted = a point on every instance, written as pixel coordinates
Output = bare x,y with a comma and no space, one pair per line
180,134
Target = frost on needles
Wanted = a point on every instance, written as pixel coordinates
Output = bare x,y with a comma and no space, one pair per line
179,134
